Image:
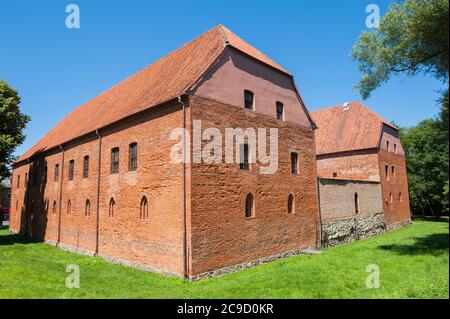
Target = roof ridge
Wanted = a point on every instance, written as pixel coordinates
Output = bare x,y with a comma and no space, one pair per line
222,33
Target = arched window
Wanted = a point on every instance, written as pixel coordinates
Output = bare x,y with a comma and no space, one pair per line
356,203
87,209
291,204
54,207
144,208
249,206
112,207
69,207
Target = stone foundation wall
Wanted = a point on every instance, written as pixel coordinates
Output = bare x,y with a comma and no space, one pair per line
336,232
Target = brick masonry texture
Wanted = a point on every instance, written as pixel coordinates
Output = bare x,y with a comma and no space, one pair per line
341,223
355,165
395,188
196,224
337,198
156,243
221,236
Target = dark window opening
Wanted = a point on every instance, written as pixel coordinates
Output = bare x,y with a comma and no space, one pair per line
86,166
54,207
87,209
294,163
356,203
248,100
395,148
387,145
280,111
244,155
386,170
393,171
249,206
69,207
71,169
18,181
291,204
56,173
132,160
112,207
144,208
115,160
335,175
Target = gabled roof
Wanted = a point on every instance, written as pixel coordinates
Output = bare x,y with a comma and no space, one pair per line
159,82
340,130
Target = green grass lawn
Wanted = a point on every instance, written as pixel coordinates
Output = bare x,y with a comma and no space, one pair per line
413,263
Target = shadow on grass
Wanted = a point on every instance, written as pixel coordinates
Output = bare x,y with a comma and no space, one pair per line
442,219
12,239
433,244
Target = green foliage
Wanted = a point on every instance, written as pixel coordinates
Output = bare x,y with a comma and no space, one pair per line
427,150
413,264
12,123
413,38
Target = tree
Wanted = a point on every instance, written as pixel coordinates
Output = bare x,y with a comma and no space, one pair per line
426,150
12,123
413,38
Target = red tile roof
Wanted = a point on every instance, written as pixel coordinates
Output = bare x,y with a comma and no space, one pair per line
161,81
355,129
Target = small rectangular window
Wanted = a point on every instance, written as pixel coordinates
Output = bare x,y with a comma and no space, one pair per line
387,145
294,163
115,160
280,111
386,170
18,181
56,173
249,99
132,159
86,166
71,169
393,171
244,155
395,148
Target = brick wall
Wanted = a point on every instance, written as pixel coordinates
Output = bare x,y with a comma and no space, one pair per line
156,243
356,165
395,188
221,236
337,198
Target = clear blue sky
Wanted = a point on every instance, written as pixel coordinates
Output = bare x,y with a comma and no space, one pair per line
56,69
